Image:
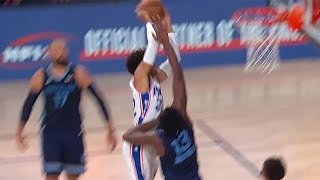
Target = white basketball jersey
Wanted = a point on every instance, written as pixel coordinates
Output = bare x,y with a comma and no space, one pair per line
147,106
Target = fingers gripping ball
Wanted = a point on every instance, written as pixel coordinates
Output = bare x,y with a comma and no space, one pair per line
152,8
295,17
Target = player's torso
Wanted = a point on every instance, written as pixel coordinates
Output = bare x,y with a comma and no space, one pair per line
62,99
180,159
148,105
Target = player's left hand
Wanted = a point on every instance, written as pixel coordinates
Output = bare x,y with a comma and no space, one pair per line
21,142
160,30
111,140
142,14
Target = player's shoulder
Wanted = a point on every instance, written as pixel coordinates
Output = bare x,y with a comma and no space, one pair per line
135,92
131,83
38,74
37,80
151,83
82,76
79,68
80,71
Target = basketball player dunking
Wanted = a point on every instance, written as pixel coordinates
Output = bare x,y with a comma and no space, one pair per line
61,131
142,161
174,139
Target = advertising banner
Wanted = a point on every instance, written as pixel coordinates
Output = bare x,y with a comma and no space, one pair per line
100,36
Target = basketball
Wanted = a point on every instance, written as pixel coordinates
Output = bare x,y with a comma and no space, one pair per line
295,17
152,8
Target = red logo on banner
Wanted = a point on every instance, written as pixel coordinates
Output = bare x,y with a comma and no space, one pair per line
28,51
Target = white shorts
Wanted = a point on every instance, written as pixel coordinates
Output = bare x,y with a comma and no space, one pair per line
142,161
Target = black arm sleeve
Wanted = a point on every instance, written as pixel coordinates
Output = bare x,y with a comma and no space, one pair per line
92,89
28,105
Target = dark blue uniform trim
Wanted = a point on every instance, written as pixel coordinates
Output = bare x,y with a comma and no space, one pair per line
180,159
62,141
136,154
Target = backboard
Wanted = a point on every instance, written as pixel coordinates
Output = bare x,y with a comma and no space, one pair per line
312,11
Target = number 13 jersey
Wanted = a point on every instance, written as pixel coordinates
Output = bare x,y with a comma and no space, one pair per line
180,160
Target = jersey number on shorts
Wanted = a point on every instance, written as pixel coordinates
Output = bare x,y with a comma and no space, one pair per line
183,147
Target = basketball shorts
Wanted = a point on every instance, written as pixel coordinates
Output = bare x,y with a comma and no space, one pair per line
142,161
63,151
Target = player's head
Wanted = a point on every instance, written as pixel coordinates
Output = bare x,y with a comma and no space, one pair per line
58,52
171,121
134,59
273,169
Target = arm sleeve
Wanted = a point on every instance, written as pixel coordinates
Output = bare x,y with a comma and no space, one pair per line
152,47
93,90
28,106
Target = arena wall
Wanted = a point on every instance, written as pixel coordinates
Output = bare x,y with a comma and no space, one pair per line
101,35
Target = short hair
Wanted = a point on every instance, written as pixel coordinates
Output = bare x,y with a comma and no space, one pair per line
273,168
134,59
171,122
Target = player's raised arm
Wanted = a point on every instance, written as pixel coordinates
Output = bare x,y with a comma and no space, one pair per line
179,89
141,74
165,69
36,84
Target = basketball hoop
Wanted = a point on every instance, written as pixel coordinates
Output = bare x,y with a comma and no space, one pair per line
261,36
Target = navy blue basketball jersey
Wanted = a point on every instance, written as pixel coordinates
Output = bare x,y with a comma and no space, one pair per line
62,100
180,159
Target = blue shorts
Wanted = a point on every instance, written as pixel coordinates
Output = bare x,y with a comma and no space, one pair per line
63,151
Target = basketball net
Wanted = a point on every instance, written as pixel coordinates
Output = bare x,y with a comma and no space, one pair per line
261,35
263,50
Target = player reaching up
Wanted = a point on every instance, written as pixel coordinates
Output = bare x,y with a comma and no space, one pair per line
142,161
174,139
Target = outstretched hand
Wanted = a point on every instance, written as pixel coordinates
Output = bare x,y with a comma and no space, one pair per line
111,137
21,142
160,30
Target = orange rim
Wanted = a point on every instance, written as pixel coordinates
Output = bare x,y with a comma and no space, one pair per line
265,16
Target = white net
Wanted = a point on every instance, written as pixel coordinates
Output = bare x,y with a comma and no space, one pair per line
261,35
262,43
